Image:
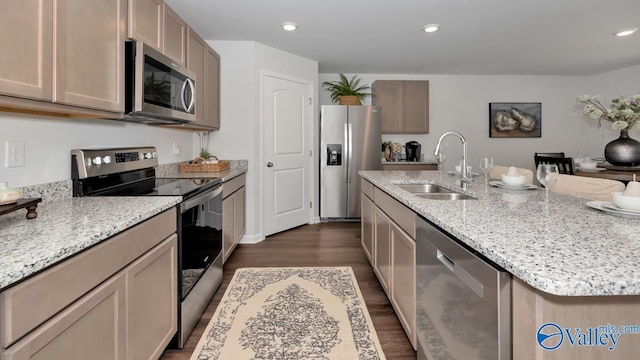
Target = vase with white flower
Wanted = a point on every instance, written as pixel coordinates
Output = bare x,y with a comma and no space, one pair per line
624,114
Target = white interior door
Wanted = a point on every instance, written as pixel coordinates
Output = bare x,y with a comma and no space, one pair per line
287,115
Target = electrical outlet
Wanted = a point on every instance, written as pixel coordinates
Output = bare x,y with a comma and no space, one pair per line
176,148
14,154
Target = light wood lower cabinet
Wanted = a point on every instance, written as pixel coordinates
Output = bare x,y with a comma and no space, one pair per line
409,166
130,314
393,251
233,214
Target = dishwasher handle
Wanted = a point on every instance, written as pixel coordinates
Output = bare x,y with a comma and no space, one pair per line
464,276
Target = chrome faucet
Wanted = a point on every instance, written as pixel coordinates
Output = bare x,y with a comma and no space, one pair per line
464,175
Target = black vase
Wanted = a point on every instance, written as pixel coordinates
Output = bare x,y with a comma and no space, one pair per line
623,151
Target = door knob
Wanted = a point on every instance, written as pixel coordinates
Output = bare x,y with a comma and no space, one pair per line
269,164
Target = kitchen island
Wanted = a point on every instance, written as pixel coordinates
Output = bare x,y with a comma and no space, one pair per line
571,265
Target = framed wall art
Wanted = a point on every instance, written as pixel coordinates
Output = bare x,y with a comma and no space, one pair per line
515,120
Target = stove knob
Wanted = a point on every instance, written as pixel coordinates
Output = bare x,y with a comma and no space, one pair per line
155,154
147,155
88,161
106,159
97,160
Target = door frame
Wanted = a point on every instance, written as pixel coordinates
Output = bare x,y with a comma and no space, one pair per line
311,138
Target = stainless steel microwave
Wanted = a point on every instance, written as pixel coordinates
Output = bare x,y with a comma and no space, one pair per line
157,90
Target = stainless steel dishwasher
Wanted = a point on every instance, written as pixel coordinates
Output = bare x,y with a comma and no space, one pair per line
463,302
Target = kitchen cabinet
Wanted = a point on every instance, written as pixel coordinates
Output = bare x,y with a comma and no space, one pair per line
394,253
25,62
88,69
405,105
121,304
89,48
366,224
409,166
156,24
205,64
233,214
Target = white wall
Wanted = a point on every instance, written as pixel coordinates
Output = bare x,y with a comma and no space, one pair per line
461,103
240,135
49,140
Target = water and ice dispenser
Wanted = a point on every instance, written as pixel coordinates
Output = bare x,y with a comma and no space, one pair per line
334,154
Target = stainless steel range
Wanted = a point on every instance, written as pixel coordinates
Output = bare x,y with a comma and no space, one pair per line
131,172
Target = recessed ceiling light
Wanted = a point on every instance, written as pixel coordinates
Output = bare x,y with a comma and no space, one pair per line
431,28
626,32
289,26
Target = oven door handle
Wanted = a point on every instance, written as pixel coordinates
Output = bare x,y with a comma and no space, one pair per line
201,199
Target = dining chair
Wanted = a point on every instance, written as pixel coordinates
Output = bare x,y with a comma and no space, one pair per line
551,154
565,164
497,171
586,187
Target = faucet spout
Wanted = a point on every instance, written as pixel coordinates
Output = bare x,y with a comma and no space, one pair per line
464,174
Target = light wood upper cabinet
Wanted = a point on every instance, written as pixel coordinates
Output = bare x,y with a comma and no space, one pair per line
175,36
26,60
89,47
205,63
156,24
146,19
405,106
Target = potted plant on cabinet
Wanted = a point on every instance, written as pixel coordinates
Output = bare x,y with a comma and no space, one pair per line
347,92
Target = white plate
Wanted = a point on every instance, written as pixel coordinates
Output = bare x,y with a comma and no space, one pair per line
614,207
591,170
453,173
609,207
502,185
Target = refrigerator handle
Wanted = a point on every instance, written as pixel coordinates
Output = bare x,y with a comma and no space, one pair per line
345,164
349,152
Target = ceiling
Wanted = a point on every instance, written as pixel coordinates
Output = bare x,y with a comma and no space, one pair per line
482,37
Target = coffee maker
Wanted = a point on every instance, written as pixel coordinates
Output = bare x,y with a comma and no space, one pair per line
412,151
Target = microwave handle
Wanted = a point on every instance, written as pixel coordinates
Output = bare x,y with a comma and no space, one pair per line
184,93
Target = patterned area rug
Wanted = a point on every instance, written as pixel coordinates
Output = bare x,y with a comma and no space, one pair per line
291,314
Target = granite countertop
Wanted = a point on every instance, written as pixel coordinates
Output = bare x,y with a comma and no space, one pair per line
65,227
564,248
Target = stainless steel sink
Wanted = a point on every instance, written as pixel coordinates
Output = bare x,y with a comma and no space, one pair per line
424,188
433,192
445,196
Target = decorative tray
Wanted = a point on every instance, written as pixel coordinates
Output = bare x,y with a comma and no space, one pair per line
30,204
200,165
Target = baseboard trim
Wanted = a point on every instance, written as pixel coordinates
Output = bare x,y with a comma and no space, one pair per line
251,239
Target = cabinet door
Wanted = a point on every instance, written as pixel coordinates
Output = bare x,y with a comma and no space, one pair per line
145,22
89,47
366,228
415,107
239,214
152,295
91,328
26,58
175,36
403,278
387,95
228,213
196,63
212,88
382,250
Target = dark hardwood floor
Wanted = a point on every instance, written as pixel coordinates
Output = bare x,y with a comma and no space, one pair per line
325,244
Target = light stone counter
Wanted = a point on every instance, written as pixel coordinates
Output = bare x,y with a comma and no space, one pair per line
563,248
66,227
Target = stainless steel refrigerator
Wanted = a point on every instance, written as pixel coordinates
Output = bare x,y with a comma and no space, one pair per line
350,140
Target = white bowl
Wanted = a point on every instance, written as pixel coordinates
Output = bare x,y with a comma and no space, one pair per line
588,165
626,202
513,180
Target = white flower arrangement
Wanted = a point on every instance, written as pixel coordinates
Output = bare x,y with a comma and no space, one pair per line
623,113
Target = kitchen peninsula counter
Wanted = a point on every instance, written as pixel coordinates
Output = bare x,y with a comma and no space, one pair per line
564,248
66,227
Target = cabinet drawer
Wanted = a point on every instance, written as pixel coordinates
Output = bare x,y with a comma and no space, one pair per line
22,307
231,186
402,215
367,188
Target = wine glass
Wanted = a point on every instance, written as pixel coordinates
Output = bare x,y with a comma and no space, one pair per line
485,166
547,175
440,159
